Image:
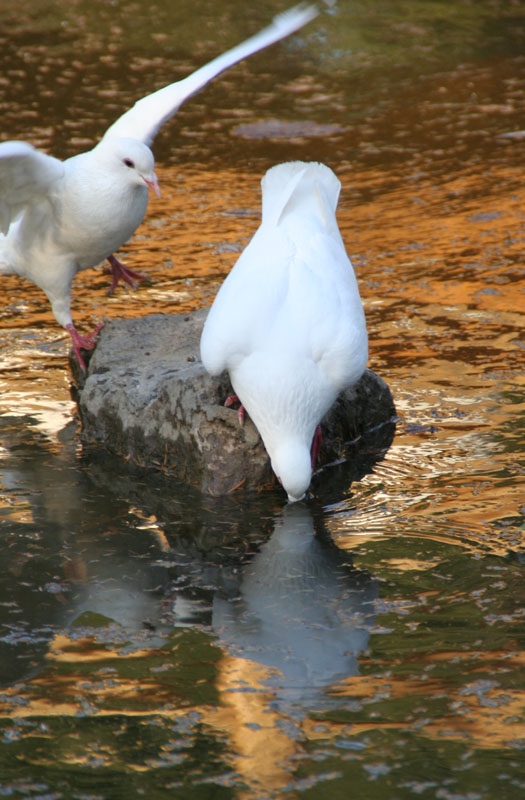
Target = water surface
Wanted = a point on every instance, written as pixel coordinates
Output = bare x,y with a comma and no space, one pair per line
368,642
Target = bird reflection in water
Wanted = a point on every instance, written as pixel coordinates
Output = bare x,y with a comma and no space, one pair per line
301,608
295,612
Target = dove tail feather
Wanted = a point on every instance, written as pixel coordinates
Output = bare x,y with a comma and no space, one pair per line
285,185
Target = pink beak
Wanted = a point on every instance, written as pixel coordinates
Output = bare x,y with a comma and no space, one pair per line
152,183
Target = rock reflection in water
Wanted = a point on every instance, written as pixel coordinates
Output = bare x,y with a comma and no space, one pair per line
79,557
68,551
158,625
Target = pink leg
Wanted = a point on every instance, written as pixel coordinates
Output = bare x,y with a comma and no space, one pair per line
241,412
119,271
85,342
316,445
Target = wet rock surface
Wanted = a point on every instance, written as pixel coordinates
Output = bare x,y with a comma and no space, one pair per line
147,397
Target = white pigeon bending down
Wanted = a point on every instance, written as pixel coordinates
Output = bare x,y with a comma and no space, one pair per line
288,323
60,217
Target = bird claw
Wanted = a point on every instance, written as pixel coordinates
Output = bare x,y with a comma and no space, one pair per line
120,272
241,413
316,445
83,342
88,342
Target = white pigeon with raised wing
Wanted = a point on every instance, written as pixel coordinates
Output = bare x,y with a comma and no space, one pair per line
58,218
288,323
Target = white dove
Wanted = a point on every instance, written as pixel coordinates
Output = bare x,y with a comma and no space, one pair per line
59,217
288,323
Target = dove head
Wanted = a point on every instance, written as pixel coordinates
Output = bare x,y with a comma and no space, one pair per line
129,159
292,464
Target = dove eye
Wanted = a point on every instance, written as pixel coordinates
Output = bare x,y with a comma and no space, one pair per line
128,162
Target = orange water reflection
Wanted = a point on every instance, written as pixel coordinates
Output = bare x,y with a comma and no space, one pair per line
444,323
261,752
432,212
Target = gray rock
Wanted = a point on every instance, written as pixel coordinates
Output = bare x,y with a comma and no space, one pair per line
147,397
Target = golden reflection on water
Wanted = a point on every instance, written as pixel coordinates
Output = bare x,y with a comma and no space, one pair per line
439,255
261,751
443,324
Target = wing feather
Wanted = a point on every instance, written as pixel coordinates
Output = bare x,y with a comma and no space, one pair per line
25,174
144,120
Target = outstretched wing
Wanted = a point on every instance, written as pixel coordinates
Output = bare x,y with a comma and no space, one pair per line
144,120
25,175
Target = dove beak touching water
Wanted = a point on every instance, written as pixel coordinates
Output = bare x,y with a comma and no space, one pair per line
60,217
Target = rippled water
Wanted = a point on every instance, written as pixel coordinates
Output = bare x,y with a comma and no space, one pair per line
364,644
